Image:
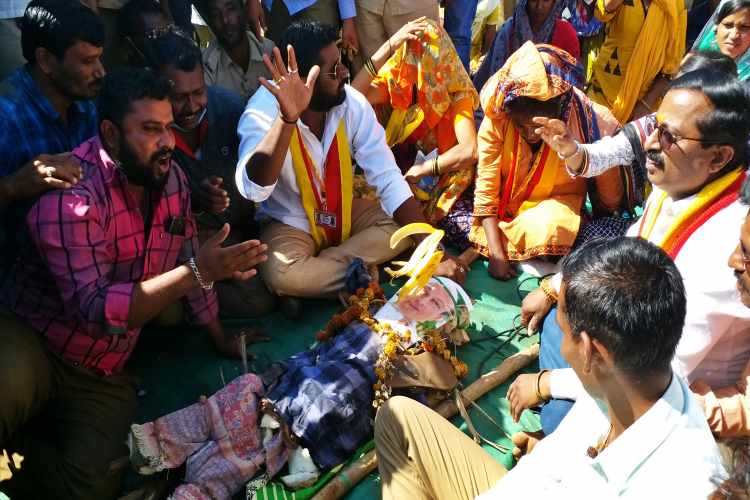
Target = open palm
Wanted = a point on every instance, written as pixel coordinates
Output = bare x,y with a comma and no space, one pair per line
292,94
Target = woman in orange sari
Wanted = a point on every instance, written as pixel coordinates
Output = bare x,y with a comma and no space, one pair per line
426,102
526,205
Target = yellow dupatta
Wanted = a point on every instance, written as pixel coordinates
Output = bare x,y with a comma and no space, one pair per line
658,49
715,195
323,199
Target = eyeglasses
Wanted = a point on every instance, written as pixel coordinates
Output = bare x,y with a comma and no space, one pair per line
668,139
334,75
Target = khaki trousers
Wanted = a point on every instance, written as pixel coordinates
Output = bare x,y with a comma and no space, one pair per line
375,28
294,270
422,455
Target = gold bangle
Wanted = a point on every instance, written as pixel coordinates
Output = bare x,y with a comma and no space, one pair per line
538,381
549,292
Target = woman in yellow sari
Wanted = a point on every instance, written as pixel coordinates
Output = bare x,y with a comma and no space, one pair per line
426,101
526,205
644,44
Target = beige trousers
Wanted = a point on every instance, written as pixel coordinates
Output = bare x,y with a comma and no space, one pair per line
422,455
375,28
294,270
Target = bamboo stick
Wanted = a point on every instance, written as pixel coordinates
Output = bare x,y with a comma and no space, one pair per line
352,475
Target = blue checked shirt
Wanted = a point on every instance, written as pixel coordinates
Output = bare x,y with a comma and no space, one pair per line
325,394
30,126
346,7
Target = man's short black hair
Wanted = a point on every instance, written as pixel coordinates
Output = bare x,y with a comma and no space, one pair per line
173,48
627,294
56,25
729,122
307,39
709,59
126,85
204,6
132,12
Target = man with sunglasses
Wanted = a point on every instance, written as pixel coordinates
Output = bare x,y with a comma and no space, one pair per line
695,162
301,136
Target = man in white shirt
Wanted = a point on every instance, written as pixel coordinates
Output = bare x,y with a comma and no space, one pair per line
694,162
299,141
634,432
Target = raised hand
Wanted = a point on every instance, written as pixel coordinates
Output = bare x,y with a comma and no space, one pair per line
217,263
408,32
292,94
211,195
556,134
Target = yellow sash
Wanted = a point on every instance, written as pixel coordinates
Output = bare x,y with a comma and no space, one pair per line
331,196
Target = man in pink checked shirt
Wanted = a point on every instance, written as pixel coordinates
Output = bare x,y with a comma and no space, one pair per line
110,254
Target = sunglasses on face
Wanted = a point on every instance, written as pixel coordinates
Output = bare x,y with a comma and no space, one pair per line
668,139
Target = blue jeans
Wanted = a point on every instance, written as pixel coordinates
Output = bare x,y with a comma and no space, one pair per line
550,358
458,18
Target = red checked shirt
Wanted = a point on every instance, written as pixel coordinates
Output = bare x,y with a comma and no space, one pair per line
91,251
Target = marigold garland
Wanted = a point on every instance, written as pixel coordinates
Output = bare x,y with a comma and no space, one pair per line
432,338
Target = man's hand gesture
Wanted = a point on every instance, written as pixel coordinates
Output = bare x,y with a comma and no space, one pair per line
238,261
292,94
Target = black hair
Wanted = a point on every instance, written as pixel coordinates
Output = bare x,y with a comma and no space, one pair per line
308,39
729,121
173,48
730,7
126,85
57,25
204,6
132,12
628,295
535,107
709,59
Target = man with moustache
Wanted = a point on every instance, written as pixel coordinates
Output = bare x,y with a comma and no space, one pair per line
300,137
205,130
695,163
109,255
46,110
235,59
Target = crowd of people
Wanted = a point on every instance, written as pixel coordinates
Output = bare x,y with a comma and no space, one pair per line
151,177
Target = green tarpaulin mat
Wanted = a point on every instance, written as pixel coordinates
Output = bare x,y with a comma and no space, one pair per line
177,366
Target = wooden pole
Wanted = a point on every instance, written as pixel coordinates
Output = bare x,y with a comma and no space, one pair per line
352,475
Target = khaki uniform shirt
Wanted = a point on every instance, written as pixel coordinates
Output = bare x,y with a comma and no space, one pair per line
220,70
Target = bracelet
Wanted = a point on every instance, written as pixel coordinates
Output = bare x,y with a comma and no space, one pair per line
538,380
578,150
370,67
204,285
549,292
435,167
285,120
